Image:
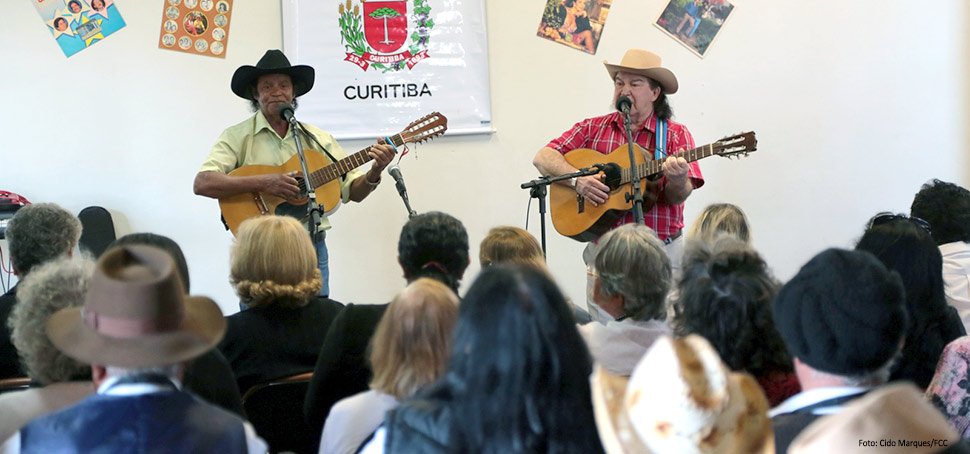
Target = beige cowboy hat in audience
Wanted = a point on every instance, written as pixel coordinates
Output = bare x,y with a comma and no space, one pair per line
873,423
136,314
681,399
645,63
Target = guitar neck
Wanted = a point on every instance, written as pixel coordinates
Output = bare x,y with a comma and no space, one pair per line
654,167
341,167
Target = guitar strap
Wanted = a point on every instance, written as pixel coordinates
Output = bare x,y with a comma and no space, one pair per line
313,139
660,150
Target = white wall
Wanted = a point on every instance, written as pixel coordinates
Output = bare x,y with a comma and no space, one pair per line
855,105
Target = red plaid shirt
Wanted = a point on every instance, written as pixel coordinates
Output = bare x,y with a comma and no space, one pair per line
605,134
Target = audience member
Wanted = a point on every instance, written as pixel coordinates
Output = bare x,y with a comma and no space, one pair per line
274,271
720,219
949,390
432,245
946,207
409,350
517,379
904,245
507,244
892,419
63,381
136,328
681,399
631,279
36,234
208,376
842,318
725,296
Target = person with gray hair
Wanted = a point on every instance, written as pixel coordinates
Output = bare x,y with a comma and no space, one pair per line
631,278
38,233
49,288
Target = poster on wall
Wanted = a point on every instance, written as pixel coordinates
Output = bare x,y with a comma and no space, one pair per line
198,27
382,64
574,23
78,24
694,23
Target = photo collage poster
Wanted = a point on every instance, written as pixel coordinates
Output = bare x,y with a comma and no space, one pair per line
694,23
198,27
78,24
574,23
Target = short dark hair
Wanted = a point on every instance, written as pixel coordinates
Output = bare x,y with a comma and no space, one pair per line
946,206
162,242
519,369
434,245
725,296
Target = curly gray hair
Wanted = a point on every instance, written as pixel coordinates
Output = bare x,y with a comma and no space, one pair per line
630,261
49,288
41,232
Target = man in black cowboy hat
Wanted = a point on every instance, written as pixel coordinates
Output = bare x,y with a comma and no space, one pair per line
645,83
266,139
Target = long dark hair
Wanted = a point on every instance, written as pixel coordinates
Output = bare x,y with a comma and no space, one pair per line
434,245
519,370
908,249
725,296
661,108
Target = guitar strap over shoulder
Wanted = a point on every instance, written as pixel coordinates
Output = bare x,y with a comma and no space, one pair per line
660,151
306,133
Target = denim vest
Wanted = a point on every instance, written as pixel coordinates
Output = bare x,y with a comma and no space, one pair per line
170,421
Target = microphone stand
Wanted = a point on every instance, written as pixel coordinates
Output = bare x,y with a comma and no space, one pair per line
313,209
637,195
407,204
537,190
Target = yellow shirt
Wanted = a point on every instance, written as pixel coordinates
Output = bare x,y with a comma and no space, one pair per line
254,142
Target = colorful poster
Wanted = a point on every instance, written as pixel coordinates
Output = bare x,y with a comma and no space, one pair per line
574,23
382,63
196,26
694,23
77,24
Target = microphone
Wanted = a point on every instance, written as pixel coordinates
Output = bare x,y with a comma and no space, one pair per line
395,172
286,112
623,104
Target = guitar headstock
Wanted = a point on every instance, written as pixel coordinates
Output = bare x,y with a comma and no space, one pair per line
425,128
736,145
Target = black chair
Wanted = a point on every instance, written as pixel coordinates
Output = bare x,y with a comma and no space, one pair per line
275,410
14,384
97,230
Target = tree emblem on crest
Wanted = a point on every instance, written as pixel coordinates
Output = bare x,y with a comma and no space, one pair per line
376,35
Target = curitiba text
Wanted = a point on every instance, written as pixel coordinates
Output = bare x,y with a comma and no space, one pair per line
386,91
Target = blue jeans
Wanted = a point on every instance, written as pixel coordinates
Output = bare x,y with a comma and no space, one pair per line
323,263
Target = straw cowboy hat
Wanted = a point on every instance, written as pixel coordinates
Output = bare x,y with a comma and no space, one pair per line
136,314
273,62
645,63
681,399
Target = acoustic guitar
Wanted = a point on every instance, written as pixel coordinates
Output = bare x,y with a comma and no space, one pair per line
323,177
572,216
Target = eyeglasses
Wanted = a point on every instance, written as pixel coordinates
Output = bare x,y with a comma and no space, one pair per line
885,217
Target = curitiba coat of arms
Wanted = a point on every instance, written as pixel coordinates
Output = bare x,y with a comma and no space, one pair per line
379,37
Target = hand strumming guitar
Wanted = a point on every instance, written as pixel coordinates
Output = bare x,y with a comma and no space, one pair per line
593,188
282,185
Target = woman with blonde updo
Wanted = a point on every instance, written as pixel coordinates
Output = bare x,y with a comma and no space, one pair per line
720,219
273,268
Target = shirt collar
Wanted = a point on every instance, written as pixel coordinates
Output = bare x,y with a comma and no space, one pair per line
813,396
112,387
650,124
262,123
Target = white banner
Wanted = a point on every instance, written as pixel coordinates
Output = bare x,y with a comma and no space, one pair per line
382,64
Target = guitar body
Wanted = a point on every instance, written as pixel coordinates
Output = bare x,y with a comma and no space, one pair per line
576,217
238,208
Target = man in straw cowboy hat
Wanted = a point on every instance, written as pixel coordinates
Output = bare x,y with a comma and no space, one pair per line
640,77
136,329
265,138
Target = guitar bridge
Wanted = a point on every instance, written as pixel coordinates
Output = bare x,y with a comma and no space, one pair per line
580,203
260,203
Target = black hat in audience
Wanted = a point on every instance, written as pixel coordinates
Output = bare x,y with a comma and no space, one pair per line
844,313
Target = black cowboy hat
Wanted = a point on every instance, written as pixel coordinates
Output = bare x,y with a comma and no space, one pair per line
273,62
